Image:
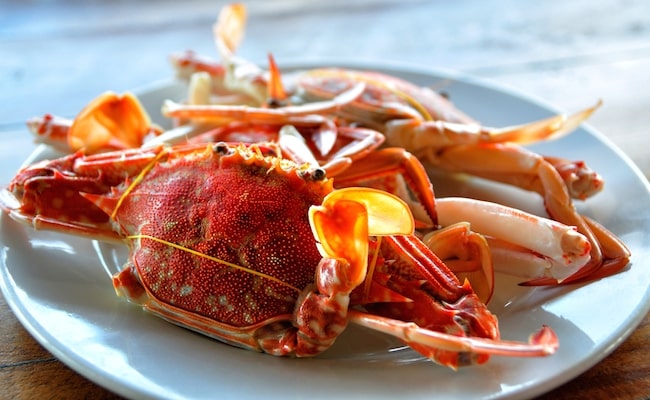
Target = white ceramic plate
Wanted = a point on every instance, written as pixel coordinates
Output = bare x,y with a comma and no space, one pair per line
56,286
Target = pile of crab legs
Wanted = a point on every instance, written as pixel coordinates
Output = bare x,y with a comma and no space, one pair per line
348,207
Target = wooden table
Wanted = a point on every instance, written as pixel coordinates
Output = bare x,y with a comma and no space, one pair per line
56,56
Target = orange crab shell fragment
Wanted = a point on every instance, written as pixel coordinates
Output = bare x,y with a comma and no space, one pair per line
109,122
229,28
342,223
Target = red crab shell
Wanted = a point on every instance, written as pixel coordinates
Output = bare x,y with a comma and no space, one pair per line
214,208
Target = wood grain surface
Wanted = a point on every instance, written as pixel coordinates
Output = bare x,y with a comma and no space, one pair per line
57,55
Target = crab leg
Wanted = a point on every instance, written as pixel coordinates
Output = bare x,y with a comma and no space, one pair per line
270,115
385,164
387,97
514,165
425,135
491,153
336,148
541,343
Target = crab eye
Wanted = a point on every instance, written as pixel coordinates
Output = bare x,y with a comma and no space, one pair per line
318,174
221,148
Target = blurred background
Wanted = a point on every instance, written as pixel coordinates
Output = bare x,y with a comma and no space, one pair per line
569,53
